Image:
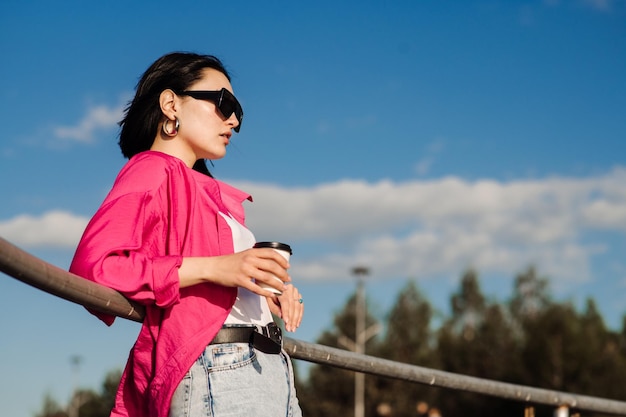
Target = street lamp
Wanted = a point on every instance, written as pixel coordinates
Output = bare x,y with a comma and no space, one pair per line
361,336
360,339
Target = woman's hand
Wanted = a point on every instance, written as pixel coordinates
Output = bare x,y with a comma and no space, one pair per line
288,306
242,269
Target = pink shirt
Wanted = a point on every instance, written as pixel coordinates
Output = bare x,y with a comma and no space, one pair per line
159,211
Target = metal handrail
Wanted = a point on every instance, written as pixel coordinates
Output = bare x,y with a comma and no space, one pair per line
49,278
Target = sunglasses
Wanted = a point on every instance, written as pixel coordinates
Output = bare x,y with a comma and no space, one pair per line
224,100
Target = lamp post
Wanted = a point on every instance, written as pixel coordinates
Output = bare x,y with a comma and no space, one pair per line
359,345
362,335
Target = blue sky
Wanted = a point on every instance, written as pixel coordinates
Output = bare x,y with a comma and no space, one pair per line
416,138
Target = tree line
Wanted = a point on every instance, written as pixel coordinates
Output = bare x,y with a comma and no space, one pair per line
528,339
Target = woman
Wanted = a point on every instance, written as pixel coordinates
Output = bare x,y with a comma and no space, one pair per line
171,237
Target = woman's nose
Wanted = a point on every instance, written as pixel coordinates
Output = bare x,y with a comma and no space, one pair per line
232,121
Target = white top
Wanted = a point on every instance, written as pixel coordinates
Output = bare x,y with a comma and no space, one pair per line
249,308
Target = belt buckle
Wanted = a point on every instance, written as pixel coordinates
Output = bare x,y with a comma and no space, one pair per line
268,339
274,333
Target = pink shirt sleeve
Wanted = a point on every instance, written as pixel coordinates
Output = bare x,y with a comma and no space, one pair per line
122,248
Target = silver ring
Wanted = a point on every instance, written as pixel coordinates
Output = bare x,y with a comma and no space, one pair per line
300,300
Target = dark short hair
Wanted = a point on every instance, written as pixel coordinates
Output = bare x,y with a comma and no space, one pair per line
176,71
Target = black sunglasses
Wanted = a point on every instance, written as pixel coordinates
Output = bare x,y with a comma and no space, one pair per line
225,101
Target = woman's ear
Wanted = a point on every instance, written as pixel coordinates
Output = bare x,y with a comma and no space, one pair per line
168,102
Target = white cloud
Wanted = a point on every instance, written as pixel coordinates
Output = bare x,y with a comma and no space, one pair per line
418,228
98,117
52,229
439,227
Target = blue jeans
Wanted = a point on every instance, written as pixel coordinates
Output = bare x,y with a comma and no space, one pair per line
234,379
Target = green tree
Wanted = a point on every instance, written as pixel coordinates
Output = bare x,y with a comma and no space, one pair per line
478,340
109,389
408,339
549,340
50,408
89,403
530,296
468,306
582,354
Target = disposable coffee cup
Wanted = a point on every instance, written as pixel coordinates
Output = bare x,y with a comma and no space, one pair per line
284,250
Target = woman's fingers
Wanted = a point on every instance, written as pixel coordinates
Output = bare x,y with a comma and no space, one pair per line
291,308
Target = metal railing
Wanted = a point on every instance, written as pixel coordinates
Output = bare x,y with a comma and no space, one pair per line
49,278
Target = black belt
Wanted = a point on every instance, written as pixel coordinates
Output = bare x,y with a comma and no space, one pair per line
267,339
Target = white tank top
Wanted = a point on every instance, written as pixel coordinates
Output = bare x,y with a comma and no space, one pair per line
249,307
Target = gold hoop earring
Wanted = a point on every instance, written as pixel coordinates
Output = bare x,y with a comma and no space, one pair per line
174,131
